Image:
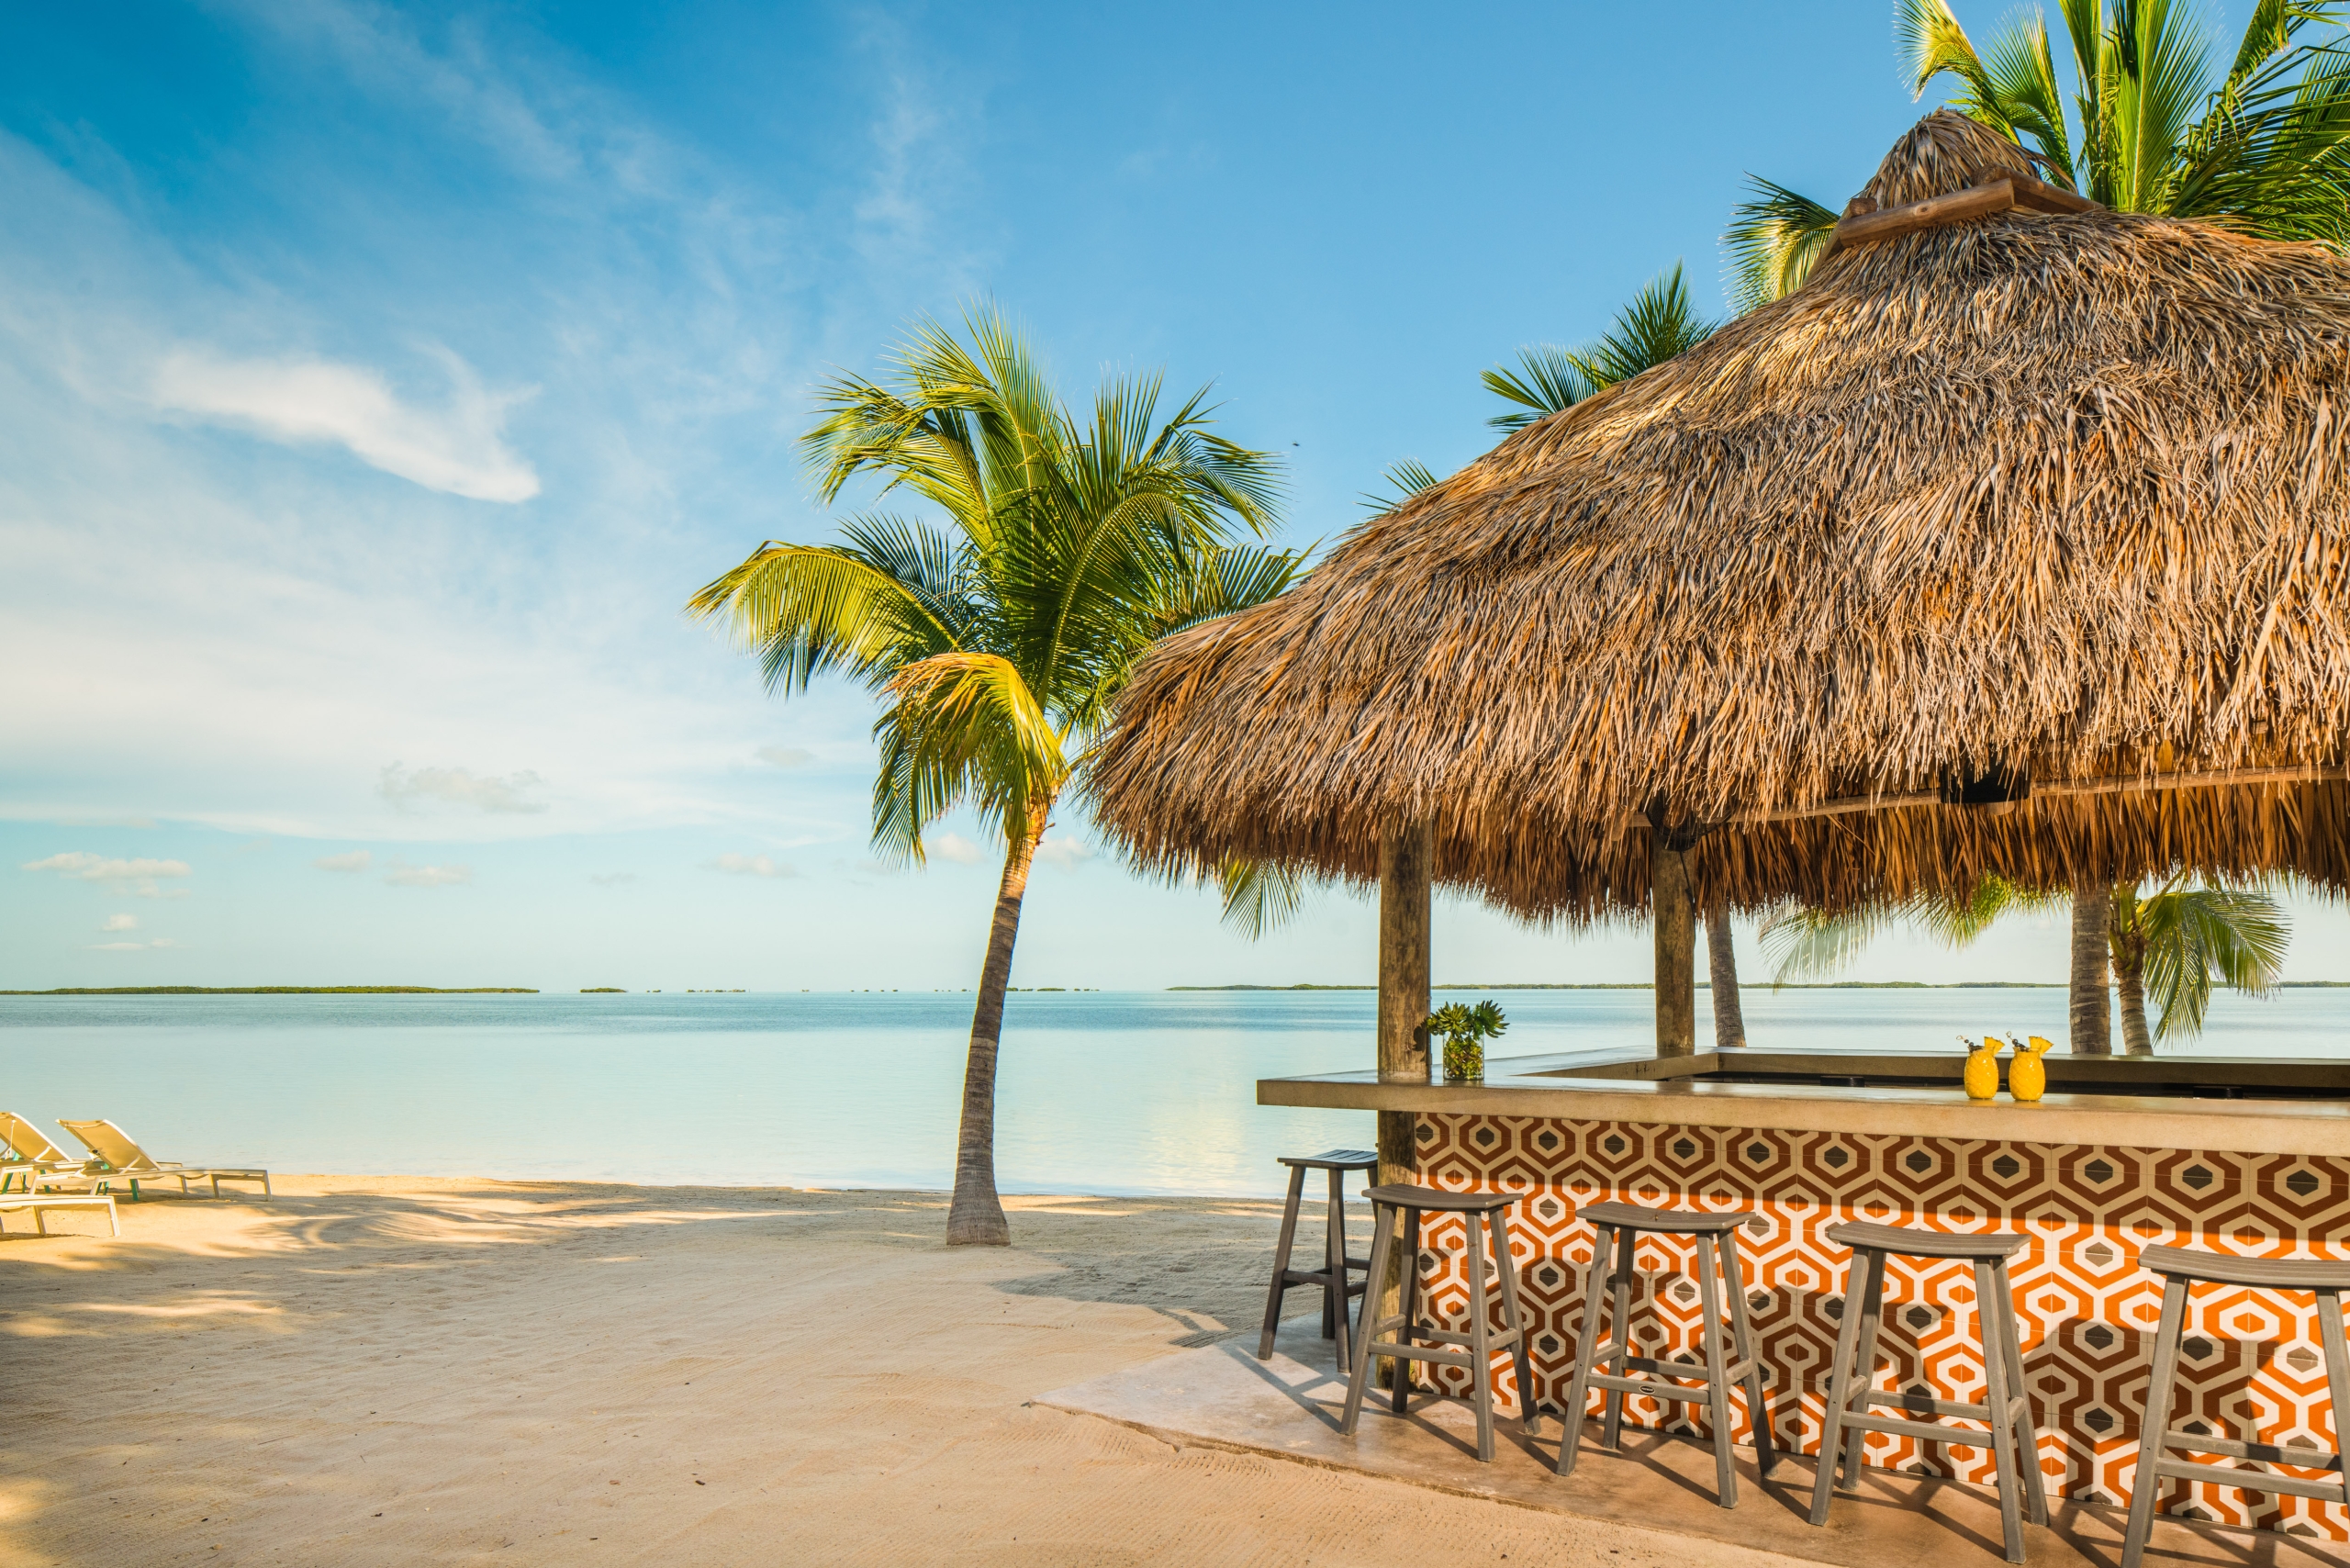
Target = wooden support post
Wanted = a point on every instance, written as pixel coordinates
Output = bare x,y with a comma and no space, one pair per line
1403,857
1676,945
1404,854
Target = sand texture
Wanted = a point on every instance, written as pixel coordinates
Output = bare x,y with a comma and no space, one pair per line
404,1370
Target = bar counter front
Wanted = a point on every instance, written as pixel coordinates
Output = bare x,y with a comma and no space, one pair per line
2236,1155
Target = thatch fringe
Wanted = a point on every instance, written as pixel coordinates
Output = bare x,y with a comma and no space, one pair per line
2056,493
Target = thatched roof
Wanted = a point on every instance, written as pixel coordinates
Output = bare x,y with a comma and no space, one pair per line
2055,494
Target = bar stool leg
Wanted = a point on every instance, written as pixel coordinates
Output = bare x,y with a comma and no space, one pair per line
1709,1348
1480,1355
2155,1424
1529,1411
2337,1374
1619,1288
1401,1370
1335,1300
2003,1434
1382,1222
1758,1409
1280,1263
2035,1485
1595,1299
1840,1387
1864,1367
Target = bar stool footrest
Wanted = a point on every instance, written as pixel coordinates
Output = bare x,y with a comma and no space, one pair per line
2249,1480
2265,1453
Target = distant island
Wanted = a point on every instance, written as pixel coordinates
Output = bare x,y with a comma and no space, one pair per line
1759,985
282,990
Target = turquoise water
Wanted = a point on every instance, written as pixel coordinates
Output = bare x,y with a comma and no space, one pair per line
1099,1092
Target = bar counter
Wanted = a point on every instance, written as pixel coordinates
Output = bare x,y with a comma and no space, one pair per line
2236,1155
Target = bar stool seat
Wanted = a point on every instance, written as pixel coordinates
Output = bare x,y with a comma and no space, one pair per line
1618,1227
2012,1437
1396,1220
1335,1276
2180,1268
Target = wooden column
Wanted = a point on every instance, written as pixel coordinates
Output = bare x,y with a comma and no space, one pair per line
1676,945
1403,855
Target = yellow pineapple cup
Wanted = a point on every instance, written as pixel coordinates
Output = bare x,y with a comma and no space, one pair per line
2028,1074
1983,1067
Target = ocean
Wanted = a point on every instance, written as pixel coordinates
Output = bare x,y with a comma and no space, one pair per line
1110,1092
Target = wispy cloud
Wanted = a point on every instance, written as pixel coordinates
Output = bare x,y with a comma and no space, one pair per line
611,878
459,447
400,874
1064,851
956,847
736,865
131,947
119,923
460,786
785,755
348,861
139,877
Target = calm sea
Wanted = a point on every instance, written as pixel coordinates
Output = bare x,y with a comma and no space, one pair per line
1099,1092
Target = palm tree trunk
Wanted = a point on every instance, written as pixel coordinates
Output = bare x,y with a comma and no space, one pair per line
2130,978
976,1218
1721,963
2092,939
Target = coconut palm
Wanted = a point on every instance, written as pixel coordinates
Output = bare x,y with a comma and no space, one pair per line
1660,323
2179,940
2154,125
997,637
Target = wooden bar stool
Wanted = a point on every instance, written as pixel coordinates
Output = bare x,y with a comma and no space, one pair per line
1337,1282
1397,1209
2181,1267
1619,1229
2013,1437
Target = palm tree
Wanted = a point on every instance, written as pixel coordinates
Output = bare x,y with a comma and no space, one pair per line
1660,323
2154,125
998,639
2181,939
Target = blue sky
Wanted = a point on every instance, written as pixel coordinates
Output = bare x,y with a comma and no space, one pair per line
375,384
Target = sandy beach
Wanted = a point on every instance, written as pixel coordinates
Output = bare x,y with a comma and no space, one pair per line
399,1370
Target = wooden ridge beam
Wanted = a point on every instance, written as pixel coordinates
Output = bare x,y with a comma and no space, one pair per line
2003,195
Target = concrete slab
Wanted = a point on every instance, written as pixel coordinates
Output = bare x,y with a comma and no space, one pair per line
1222,1396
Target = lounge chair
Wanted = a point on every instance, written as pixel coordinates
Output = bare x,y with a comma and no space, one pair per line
120,1160
33,1158
42,1204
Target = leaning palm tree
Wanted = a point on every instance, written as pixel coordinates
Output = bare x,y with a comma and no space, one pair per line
2177,941
2154,124
998,637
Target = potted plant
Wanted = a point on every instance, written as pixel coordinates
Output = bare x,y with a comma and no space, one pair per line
1466,1027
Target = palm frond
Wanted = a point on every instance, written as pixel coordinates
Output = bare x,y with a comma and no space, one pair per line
1803,942
1409,478
2194,936
1546,379
1258,896
962,726
861,609
1775,239
1660,323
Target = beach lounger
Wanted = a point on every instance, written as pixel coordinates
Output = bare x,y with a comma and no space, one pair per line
34,1161
120,1160
43,1204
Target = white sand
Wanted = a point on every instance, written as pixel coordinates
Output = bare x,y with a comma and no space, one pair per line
401,1370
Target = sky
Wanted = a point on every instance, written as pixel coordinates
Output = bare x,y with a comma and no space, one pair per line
376,383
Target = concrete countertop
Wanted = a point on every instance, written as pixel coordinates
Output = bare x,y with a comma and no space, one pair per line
1632,1086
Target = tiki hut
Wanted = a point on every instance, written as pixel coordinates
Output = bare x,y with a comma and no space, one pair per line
2014,540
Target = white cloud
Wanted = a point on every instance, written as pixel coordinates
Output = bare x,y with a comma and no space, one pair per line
118,947
121,923
611,878
163,942
350,860
736,865
400,874
138,876
785,755
460,786
1064,851
460,448
956,847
